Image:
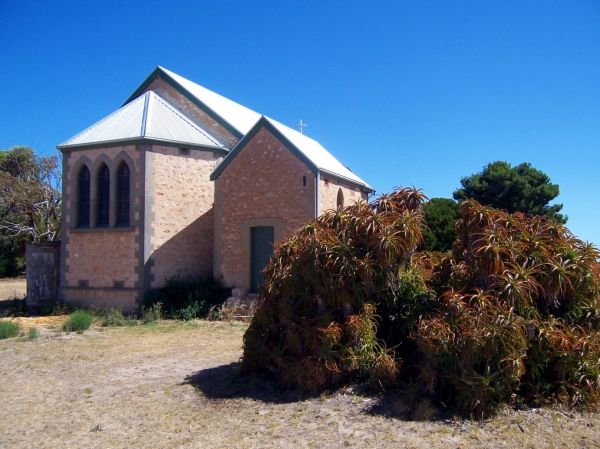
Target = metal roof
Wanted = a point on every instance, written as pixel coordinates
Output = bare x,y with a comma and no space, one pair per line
314,151
309,151
147,117
240,117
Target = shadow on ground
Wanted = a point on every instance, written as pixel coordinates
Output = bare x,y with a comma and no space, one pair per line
226,382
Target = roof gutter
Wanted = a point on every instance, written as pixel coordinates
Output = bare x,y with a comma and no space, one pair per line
363,187
141,140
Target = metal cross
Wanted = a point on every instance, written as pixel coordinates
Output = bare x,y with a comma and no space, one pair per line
300,126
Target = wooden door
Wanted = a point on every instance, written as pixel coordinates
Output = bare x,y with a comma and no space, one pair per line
261,251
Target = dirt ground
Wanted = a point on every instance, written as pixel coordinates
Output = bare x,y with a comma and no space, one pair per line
173,384
12,288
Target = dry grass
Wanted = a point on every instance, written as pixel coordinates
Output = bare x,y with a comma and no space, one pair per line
13,288
176,385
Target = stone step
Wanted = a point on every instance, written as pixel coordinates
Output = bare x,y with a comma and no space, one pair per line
243,307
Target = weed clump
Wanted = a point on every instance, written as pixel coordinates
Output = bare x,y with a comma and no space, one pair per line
511,315
32,333
188,298
152,313
9,329
78,321
113,317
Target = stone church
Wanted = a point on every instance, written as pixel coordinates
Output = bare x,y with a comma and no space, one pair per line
183,180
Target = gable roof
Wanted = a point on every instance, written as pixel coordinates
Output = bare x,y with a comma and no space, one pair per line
148,117
309,151
236,118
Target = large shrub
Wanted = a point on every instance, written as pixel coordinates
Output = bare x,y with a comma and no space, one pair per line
189,297
511,314
317,324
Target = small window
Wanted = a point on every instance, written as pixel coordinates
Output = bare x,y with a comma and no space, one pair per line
119,284
123,178
340,199
184,151
83,201
103,195
83,283
304,181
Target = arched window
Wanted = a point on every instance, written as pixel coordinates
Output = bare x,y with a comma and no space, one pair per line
340,199
83,200
123,194
103,195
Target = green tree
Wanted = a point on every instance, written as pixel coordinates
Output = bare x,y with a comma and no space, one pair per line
522,188
29,204
441,215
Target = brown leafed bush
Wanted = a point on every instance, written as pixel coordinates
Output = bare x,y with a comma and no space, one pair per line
511,312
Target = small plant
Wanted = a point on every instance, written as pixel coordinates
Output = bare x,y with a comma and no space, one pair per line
190,312
78,321
9,329
152,313
32,333
220,313
113,317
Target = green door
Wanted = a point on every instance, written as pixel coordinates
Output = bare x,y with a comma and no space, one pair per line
261,250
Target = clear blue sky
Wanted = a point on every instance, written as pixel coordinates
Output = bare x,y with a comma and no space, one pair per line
404,93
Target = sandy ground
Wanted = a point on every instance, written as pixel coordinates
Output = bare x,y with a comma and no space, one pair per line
177,385
12,288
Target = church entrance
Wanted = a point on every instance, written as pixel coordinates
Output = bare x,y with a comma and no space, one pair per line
261,250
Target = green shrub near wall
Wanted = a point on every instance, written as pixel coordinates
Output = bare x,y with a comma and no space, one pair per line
188,297
78,321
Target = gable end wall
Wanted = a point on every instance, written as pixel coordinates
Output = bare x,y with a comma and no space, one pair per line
262,186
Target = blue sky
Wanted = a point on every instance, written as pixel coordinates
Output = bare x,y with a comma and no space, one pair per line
405,93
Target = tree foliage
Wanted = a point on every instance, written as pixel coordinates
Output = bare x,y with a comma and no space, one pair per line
511,314
29,203
522,188
441,215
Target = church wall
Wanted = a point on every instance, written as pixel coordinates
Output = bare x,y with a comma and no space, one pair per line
328,193
179,213
124,299
262,186
101,258
176,99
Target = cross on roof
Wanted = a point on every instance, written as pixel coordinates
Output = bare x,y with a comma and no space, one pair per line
300,126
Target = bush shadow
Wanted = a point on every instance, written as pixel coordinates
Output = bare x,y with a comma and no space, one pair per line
226,382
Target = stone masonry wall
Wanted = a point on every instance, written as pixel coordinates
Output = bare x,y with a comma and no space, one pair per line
99,256
126,300
262,186
329,192
170,94
179,222
100,266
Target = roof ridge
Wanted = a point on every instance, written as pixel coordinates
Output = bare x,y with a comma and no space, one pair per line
185,118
